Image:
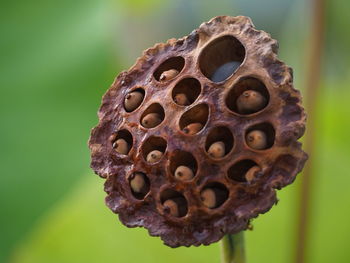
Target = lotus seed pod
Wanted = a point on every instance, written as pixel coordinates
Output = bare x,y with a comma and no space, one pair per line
181,99
151,120
251,174
121,146
257,140
133,100
213,66
250,101
169,74
183,173
154,156
217,150
193,128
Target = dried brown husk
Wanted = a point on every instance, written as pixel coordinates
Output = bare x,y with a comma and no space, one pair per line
279,164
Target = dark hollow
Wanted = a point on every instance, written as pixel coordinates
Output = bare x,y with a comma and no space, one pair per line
220,58
190,87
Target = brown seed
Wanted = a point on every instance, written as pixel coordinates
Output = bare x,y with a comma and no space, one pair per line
217,149
151,120
208,197
257,140
250,101
133,100
169,74
193,128
183,173
181,99
154,156
172,206
213,197
121,146
138,183
251,173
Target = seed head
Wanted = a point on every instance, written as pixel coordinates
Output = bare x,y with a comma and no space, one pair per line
209,125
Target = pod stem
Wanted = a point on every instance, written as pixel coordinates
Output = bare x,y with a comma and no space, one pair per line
232,248
312,90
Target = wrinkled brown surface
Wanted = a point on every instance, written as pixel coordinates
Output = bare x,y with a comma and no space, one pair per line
280,164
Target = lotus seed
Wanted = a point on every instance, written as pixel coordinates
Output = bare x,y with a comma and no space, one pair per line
154,156
251,173
121,146
133,100
208,197
137,183
257,140
151,120
217,149
193,128
183,173
169,74
250,101
172,206
181,99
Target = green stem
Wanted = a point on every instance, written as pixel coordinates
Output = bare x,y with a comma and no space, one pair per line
232,248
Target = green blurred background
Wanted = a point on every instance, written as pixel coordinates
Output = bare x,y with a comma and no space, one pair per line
57,60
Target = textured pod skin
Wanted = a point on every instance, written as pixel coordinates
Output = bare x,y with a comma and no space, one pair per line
279,164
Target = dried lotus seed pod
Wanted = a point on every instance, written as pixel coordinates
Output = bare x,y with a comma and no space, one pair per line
213,66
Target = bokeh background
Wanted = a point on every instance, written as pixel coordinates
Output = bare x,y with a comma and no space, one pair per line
59,57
